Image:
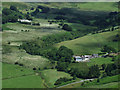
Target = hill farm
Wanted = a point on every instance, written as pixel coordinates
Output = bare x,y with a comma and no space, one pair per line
60,45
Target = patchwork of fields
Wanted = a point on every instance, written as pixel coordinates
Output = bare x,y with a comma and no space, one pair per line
22,70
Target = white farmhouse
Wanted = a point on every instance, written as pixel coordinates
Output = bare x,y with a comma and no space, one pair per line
24,20
78,58
87,57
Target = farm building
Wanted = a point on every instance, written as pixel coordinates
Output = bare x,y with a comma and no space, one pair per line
78,58
95,55
87,57
24,20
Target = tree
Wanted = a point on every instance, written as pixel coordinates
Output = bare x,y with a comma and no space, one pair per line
6,11
61,66
103,66
98,80
35,12
94,71
13,8
108,49
44,9
64,54
67,27
60,18
109,68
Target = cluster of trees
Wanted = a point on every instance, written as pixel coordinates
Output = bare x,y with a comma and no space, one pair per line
92,72
116,38
36,23
109,20
67,27
108,49
40,9
61,80
113,68
12,14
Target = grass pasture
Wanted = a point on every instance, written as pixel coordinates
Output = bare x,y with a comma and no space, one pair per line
14,76
31,81
52,75
80,27
91,44
100,61
81,66
10,71
34,31
27,60
98,6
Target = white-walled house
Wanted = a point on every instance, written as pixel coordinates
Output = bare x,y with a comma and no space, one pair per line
24,20
78,58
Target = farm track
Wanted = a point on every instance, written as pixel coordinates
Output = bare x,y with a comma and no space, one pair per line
18,76
74,83
44,83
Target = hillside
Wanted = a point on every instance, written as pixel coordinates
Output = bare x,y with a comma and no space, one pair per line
40,39
100,6
91,44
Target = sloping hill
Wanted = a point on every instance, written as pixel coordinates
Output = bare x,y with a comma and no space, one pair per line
91,44
93,6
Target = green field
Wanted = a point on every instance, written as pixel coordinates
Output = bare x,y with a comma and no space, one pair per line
98,6
9,71
14,76
80,27
27,60
100,61
13,31
52,75
80,66
31,81
14,34
91,44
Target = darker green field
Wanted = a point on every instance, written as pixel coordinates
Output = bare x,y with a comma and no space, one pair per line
100,61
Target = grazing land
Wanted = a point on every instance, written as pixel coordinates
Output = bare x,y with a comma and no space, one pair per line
52,75
100,61
90,44
31,81
39,41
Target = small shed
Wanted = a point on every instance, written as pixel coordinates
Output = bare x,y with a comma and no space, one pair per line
95,55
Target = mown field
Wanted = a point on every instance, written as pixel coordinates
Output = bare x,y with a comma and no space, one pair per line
91,44
31,81
14,76
10,71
